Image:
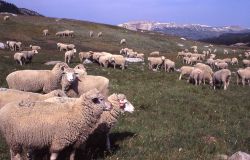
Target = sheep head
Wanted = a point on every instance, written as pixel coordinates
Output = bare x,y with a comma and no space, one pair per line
120,101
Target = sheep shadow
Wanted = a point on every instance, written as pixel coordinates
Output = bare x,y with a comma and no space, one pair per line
96,145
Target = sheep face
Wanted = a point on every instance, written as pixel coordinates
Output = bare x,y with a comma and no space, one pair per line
125,105
70,75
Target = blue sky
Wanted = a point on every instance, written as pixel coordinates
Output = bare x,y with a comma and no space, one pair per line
210,12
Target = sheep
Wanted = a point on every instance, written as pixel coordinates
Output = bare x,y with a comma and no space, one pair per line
108,119
169,65
99,34
35,47
155,61
131,54
37,80
196,75
123,41
246,62
11,95
19,58
211,62
117,60
6,18
85,55
60,34
56,126
97,55
29,55
204,67
69,33
185,60
104,60
84,83
222,65
234,61
91,34
66,47
45,32
225,51
155,53
140,55
68,56
192,60
185,70
180,54
80,70
14,46
243,75
222,77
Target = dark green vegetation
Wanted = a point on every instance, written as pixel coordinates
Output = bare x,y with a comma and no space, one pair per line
171,116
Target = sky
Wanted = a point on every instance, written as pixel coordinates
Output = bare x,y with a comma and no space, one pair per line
208,12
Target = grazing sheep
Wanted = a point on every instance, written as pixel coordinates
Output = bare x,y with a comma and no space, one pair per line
91,34
56,126
19,58
204,67
45,32
84,83
99,34
29,55
85,55
155,53
37,80
243,75
222,77
185,70
69,55
211,62
104,60
117,60
35,47
11,95
60,34
196,75
14,46
66,47
222,65
169,65
97,55
109,119
246,62
234,61
155,61
6,18
123,41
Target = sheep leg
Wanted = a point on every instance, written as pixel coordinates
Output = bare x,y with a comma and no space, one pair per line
72,155
53,156
225,85
243,81
180,76
108,142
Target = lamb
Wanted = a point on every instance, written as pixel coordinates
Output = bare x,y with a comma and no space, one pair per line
35,47
117,60
85,55
19,58
11,95
234,61
91,34
99,34
222,77
6,18
246,62
84,83
169,65
69,55
108,119
243,75
196,75
222,65
155,61
45,32
123,41
185,70
56,126
155,53
38,80
29,55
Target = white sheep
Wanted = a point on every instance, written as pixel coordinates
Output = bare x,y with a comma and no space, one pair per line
123,41
169,65
91,34
222,77
69,55
85,55
185,70
234,61
19,58
243,75
99,34
56,126
246,62
45,32
222,65
35,47
29,55
37,80
117,60
196,75
155,53
6,18
155,62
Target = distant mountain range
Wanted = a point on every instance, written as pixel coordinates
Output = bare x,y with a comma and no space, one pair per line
6,7
190,31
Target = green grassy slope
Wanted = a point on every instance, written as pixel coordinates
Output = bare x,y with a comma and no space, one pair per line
171,116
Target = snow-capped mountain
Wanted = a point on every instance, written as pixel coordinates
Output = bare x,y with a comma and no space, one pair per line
191,31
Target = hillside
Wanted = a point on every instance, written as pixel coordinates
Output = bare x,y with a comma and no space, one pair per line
6,7
172,118
190,31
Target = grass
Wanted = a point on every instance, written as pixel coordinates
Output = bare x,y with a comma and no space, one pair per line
171,116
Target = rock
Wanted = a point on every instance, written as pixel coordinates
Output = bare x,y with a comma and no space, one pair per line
52,63
134,60
86,61
2,45
239,156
